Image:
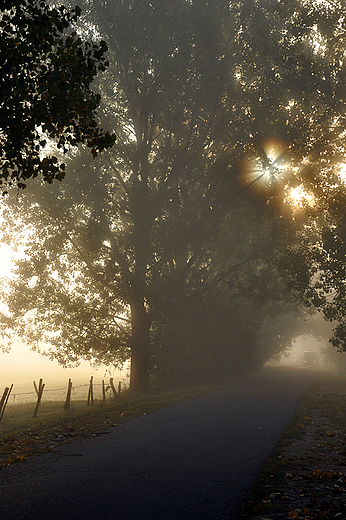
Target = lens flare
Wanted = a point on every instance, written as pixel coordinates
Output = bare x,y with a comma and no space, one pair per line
265,168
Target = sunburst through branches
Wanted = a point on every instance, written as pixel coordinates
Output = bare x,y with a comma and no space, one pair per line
267,168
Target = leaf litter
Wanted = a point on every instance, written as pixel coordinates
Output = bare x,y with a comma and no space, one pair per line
305,479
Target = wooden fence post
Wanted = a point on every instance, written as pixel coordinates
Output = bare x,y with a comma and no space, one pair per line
91,392
111,384
68,396
119,388
39,392
103,391
4,400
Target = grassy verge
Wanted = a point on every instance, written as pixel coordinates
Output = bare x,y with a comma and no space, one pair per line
22,436
305,478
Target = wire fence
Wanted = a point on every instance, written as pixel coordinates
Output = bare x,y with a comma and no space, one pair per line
22,394
91,392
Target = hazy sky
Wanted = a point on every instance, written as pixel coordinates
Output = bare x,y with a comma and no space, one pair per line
22,365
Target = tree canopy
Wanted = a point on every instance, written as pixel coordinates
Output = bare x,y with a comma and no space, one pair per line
160,251
46,71
315,266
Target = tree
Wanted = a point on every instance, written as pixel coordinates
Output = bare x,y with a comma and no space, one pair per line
46,71
163,153
162,220
317,266
314,263
69,290
224,333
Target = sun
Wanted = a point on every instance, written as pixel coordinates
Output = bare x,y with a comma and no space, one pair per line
267,167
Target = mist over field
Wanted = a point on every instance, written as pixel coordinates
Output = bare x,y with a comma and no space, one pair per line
21,367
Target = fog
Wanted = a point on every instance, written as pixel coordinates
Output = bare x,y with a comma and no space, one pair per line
182,235
21,366
301,344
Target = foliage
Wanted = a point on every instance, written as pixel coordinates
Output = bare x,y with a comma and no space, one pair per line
317,269
156,251
45,75
222,324
313,265
68,290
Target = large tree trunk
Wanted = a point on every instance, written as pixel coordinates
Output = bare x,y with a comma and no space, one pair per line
140,347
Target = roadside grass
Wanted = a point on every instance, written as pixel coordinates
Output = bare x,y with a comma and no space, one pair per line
327,394
22,435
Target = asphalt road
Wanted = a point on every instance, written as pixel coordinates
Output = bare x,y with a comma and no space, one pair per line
193,461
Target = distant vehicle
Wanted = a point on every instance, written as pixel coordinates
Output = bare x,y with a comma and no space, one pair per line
310,358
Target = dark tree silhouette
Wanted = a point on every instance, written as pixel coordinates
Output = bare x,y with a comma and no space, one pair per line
46,71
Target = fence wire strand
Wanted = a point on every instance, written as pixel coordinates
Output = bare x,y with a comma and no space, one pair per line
64,389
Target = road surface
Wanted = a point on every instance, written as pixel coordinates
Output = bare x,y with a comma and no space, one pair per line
193,461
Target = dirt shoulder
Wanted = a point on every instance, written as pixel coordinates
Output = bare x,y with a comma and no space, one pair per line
306,476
